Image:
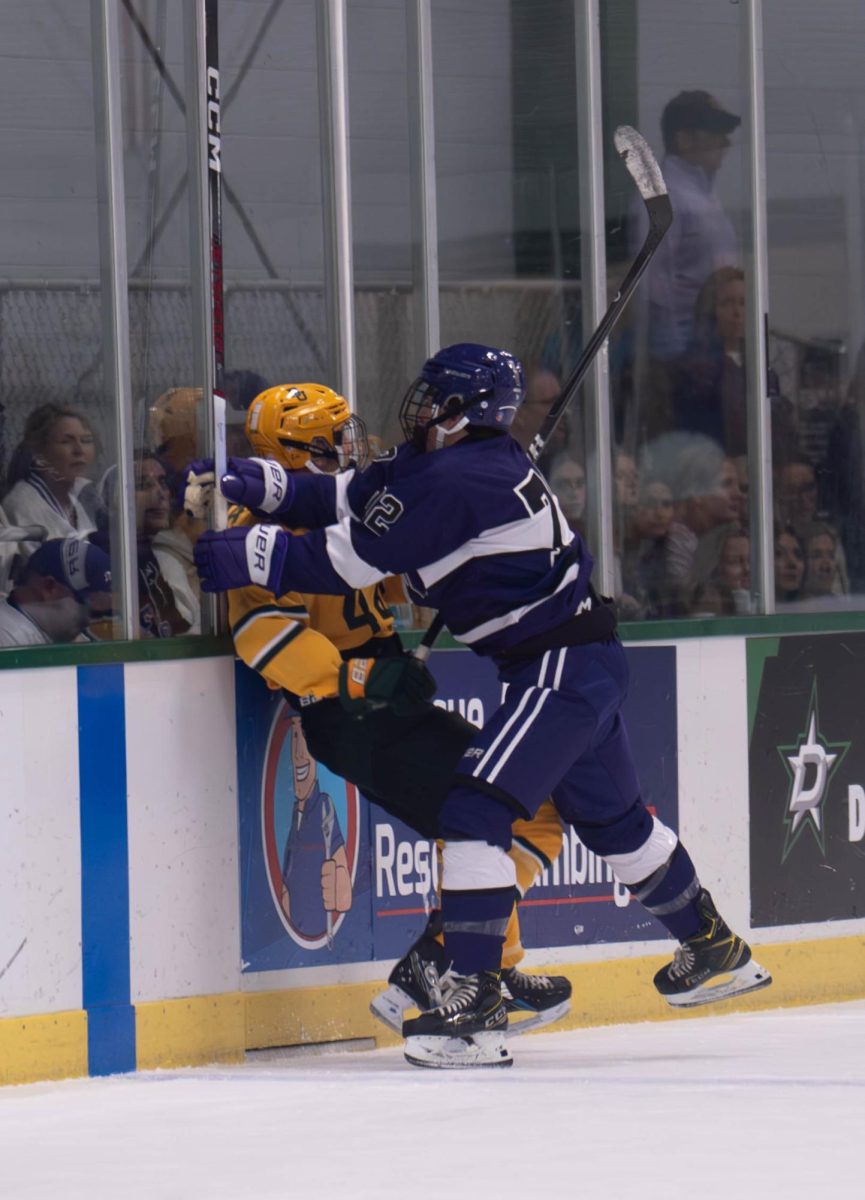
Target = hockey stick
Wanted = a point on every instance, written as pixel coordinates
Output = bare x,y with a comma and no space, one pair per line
646,174
217,311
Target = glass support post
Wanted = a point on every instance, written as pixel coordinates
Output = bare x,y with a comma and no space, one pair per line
593,265
114,285
427,329
336,169
757,322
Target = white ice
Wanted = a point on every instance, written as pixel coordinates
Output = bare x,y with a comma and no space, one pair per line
765,1105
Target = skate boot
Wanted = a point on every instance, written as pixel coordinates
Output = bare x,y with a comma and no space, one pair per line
420,979
467,1031
712,965
546,998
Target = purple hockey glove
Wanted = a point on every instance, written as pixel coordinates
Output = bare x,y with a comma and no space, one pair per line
237,558
258,483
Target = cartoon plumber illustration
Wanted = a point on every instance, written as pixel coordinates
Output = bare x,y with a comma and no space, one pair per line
316,879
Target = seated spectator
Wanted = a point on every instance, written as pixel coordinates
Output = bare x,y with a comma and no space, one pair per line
50,475
60,589
797,494
711,386
845,481
160,613
789,566
658,576
626,490
567,479
169,544
824,568
741,465
727,592
542,389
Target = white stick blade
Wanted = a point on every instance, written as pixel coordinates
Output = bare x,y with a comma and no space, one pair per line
640,161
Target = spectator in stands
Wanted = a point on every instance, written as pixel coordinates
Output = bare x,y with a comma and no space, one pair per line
708,502
50,475
789,566
696,131
845,479
169,546
542,388
797,494
727,592
711,387
60,589
567,479
659,575
161,613
824,567
626,492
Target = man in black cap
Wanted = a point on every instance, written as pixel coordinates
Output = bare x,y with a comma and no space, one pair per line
696,131
62,587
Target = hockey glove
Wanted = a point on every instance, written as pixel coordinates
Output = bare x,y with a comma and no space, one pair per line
402,683
236,558
256,483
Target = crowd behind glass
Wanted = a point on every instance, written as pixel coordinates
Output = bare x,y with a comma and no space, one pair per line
680,430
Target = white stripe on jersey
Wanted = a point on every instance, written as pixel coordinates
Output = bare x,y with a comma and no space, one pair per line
343,508
533,532
345,561
516,614
265,649
514,716
515,741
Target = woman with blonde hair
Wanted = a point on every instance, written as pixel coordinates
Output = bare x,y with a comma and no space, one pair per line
49,473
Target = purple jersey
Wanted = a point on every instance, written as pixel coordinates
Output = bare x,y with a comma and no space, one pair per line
473,529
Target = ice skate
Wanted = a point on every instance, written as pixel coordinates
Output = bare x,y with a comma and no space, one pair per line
419,980
546,998
468,1031
712,965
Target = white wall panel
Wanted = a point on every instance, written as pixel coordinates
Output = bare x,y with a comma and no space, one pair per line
182,812
40,859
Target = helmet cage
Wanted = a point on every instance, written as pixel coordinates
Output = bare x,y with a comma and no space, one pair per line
347,446
426,405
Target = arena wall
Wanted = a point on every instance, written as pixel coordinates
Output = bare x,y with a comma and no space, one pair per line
135,934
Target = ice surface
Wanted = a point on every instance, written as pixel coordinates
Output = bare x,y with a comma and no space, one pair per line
768,1104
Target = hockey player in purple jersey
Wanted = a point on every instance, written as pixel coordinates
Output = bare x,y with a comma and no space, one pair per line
462,514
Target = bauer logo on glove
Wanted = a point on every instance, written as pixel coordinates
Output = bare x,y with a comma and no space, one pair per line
400,682
235,558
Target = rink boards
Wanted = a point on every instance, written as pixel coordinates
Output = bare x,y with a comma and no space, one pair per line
146,808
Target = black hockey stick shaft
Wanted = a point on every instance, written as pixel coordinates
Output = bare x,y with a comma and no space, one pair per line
213,135
644,170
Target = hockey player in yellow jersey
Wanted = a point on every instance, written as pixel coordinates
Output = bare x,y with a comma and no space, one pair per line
365,705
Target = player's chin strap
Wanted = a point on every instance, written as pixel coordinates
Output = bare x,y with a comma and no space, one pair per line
442,434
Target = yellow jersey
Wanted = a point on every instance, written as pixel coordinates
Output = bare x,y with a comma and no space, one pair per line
297,641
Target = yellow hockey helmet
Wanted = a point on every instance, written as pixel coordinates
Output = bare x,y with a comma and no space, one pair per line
299,423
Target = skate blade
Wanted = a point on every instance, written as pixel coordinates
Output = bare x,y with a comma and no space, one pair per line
536,1020
749,978
390,1006
458,1053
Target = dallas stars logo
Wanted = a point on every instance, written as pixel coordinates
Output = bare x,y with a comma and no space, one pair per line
810,766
